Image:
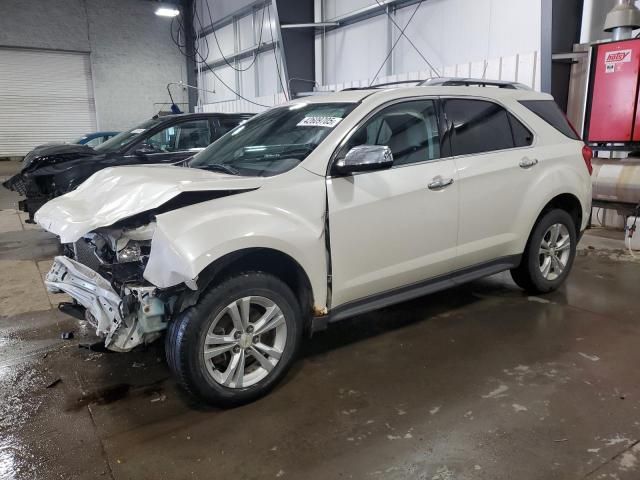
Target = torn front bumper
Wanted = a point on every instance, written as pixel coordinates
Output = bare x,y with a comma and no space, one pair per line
138,317
89,289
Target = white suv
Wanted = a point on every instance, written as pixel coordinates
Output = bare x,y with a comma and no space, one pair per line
318,210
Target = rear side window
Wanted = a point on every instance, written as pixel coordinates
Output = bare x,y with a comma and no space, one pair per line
477,126
551,113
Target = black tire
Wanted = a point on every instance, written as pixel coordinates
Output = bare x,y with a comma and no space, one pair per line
185,339
528,275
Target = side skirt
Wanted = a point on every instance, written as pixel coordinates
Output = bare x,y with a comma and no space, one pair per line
415,290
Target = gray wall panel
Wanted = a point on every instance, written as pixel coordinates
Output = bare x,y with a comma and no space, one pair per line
132,55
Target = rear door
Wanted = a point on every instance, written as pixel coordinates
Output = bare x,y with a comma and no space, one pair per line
496,161
394,227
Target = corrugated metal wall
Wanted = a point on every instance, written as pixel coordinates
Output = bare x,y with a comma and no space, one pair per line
45,96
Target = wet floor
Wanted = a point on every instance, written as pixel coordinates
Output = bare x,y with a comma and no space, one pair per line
479,382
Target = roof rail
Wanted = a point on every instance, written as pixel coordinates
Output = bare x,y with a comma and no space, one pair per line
386,84
472,82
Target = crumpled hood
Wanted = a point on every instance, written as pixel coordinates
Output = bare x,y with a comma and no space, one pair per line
55,153
120,192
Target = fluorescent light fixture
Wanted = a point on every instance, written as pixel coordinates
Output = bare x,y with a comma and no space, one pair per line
167,12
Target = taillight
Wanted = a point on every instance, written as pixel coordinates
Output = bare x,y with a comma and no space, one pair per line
587,154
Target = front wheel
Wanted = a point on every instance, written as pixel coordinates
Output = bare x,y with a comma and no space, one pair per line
238,341
549,254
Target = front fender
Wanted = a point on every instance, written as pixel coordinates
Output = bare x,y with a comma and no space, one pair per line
289,220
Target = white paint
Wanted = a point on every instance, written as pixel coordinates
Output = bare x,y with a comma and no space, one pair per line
593,450
497,393
628,461
434,410
593,358
609,442
519,408
443,473
538,300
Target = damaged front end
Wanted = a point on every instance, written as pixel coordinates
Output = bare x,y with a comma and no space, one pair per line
43,174
125,310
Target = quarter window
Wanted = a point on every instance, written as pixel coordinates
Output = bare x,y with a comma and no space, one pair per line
522,137
409,129
478,126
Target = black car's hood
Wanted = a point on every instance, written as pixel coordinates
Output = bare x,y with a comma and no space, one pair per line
51,154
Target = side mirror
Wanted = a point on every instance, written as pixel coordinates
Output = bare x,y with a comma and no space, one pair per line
364,158
145,149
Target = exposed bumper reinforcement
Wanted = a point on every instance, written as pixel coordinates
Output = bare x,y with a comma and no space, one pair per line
143,320
89,289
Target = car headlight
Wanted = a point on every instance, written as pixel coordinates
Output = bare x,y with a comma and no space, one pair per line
132,252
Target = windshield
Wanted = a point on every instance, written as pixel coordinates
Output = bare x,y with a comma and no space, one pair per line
125,138
274,142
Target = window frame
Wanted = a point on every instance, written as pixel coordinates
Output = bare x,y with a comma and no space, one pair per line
162,126
445,147
518,117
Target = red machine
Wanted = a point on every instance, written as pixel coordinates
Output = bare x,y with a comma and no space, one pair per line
613,112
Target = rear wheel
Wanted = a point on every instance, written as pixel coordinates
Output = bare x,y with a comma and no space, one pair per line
549,254
238,341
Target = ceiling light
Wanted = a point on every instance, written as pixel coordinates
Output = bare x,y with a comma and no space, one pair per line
167,12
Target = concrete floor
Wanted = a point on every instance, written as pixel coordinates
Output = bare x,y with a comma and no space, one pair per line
479,382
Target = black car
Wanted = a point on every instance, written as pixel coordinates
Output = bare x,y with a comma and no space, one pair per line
52,170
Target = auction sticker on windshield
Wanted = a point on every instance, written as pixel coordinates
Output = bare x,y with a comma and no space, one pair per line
328,122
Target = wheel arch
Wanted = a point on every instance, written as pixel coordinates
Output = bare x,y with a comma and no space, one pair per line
567,202
264,259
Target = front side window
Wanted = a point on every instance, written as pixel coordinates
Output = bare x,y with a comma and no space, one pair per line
184,136
409,129
274,142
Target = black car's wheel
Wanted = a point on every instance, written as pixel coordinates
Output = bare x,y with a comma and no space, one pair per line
549,254
238,341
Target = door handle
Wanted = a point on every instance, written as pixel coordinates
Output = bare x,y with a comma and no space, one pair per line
438,183
527,162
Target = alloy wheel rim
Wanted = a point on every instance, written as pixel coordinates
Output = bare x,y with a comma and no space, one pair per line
555,249
245,342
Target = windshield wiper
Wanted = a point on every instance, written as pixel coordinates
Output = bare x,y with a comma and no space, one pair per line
220,167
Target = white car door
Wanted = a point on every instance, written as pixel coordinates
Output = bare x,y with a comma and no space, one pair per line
496,163
395,227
